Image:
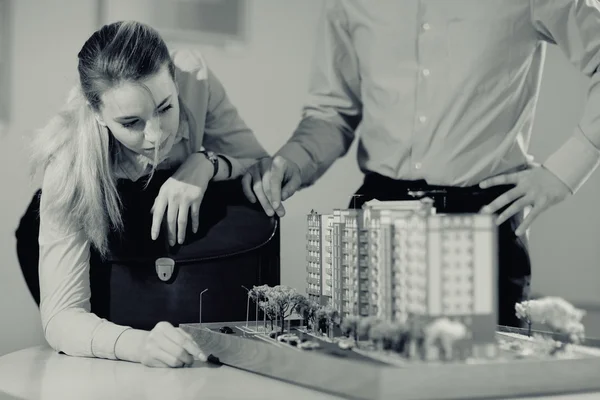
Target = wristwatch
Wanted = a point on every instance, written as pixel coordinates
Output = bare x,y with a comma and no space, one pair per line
213,158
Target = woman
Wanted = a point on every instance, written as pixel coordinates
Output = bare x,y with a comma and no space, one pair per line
129,116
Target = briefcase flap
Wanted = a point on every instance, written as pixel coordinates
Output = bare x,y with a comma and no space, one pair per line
229,225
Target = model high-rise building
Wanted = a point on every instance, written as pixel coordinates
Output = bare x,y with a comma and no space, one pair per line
397,259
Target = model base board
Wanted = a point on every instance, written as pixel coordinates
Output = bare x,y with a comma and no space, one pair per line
355,374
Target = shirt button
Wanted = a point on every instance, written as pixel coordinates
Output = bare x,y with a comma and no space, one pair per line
426,26
418,165
422,118
426,72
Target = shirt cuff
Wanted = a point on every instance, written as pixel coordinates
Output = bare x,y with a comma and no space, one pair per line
575,161
294,152
105,339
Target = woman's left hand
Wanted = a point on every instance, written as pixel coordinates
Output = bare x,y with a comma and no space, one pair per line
181,194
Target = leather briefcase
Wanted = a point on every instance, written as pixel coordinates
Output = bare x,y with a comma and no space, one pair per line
236,246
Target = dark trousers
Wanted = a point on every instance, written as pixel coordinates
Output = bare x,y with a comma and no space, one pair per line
514,265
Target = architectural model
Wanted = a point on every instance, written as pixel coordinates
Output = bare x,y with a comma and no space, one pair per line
394,288
397,259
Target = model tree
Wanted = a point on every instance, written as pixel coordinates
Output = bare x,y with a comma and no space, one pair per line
398,335
334,319
330,317
377,334
307,309
389,335
556,313
523,312
364,326
284,300
301,309
260,292
321,319
443,334
349,326
416,336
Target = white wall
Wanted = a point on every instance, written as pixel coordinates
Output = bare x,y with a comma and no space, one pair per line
267,80
565,240
47,37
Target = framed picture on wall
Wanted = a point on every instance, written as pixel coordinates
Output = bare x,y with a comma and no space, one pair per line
209,22
5,89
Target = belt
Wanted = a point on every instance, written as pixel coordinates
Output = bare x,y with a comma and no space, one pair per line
466,199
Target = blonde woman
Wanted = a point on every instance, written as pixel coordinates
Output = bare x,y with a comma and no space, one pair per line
138,108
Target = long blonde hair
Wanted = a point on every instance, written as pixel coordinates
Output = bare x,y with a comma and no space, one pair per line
82,150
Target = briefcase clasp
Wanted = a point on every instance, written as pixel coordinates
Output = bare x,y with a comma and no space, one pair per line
164,268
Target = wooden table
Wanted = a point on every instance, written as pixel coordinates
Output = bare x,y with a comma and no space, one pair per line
41,373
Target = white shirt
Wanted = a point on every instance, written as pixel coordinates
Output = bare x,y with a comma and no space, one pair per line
444,90
209,120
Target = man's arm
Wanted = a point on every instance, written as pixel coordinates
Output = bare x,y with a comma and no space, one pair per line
334,109
574,25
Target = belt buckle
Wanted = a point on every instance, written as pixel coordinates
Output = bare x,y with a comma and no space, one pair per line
416,193
426,193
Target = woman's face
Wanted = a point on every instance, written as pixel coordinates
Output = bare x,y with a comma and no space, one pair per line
144,116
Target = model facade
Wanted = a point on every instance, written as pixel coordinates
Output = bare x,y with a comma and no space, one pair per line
397,259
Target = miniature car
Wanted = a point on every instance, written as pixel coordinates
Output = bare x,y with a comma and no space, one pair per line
309,345
288,337
346,344
225,329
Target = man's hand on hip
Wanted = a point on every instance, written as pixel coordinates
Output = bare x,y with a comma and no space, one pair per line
536,187
271,181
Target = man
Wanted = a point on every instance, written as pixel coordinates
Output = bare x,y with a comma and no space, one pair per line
444,94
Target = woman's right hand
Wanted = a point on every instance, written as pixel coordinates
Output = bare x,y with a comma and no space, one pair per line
167,346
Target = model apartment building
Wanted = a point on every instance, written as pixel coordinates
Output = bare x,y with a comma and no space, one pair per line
392,259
